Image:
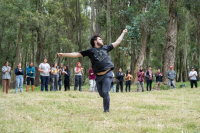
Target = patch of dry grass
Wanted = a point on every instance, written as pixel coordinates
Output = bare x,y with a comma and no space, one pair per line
157,111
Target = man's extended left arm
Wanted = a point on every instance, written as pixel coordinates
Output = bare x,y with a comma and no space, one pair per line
118,41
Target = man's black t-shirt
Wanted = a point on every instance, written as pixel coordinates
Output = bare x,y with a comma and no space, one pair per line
99,58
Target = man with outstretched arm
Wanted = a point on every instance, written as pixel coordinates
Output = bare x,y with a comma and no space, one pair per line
101,64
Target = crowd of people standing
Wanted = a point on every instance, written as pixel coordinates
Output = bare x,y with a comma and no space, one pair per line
54,75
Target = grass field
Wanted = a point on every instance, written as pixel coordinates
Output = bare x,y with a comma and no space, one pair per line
167,111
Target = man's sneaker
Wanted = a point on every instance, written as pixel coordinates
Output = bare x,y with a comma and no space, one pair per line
106,111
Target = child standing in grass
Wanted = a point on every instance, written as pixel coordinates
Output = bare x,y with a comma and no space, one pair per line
101,65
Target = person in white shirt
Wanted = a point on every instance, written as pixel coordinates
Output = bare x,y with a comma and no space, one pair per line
193,77
44,69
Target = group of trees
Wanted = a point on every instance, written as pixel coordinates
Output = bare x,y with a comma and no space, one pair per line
160,33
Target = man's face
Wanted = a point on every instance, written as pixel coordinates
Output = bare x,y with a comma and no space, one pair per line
171,68
45,60
120,70
61,66
158,70
192,69
31,64
141,68
149,68
99,41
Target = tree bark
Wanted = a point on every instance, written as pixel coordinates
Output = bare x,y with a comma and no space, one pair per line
38,54
171,35
177,47
180,71
133,57
148,51
18,50
185,75
108,23
140,58
80,28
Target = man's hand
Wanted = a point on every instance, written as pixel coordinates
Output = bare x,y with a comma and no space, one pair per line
44,72
60,54
31,71
125,31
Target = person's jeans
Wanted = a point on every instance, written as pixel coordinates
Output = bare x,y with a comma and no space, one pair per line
66,83
6,85
193,82
44,82
138,85
92,85
149,83
113,87
128,83
171,82
60,85
54,83
78,82
158,85
19,83
121,86
30,79
104,85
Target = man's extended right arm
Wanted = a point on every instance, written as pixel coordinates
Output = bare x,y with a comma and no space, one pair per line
70,55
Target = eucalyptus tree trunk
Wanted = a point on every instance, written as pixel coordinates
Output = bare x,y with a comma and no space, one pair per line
38,54
198,26
108,23
148,51
18,51
171,35
185,75
177,50
140,58
80,28
133,57
180,71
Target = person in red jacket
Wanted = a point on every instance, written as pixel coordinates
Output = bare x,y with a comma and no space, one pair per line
140,81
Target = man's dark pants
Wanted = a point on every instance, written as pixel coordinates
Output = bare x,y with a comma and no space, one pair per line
104,84
121,85
193,82
149,83
44,82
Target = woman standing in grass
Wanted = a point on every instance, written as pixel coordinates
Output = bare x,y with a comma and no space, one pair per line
54,78
78,76
44,69
67,78
19,78
128,78
6,77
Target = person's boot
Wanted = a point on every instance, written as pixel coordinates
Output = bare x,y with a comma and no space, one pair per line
27,88
32,88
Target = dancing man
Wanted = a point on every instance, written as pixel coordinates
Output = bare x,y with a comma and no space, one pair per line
101,65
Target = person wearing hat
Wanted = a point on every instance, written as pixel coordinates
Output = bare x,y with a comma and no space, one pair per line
171,74
193,77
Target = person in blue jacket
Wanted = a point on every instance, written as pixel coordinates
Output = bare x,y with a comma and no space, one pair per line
19,78
67,78
30,76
